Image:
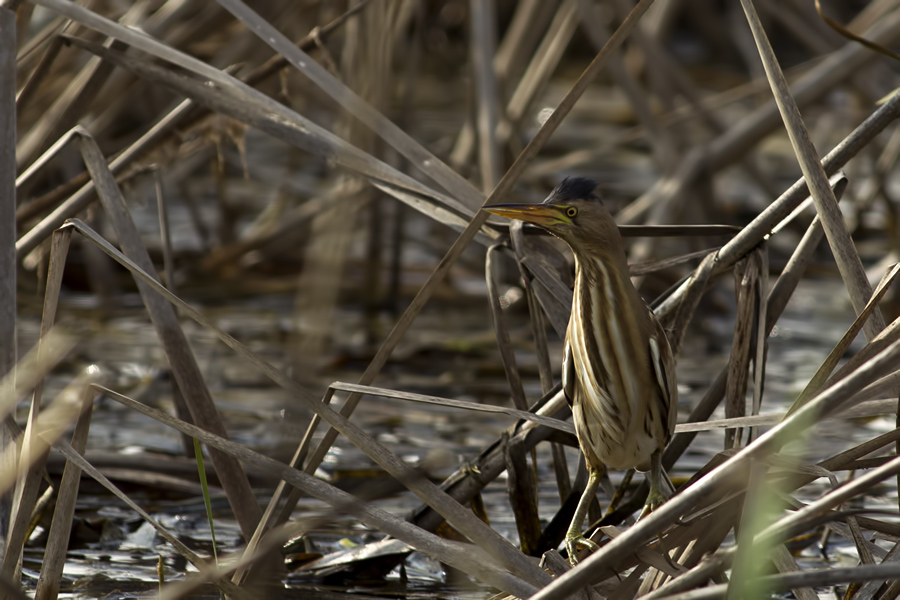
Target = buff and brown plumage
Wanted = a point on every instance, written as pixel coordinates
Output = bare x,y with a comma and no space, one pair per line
618,373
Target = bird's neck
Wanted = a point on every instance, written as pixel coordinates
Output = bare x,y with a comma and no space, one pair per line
599,268
609,328
605,275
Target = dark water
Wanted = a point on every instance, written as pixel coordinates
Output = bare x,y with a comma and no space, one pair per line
449,352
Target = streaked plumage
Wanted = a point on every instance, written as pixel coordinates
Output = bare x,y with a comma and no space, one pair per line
618,370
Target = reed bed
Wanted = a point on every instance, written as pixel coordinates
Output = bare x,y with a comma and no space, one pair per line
389,123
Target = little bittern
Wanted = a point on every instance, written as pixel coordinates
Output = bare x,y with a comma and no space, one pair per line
618,373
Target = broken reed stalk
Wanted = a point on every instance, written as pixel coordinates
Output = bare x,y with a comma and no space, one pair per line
480,565
8,264
27,488
456,515
468,234
549,293
48,585
180,356
827,209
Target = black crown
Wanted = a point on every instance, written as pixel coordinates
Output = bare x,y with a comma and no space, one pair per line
573,188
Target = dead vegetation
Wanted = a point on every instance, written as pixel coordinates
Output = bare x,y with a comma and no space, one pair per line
391,122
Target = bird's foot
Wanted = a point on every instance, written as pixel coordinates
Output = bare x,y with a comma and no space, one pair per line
655,499
572,544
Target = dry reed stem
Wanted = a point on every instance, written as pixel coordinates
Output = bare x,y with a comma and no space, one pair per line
483,24
78,201
777,301
468,234
37,76
661,143
160,131
54,559
467,482
818,380
547,291
239,561
543,64
172,338
251,107
27,487
247,105
49,426
836,232
273,516
481,565
783,206
455,514
366,59
544,267
513,54
522,491
798,520
739,139
72,103
32,369
746,274
501,332
643,531
417,155
165,231
887,336
867,409
77,459
532,417
784,582
8,265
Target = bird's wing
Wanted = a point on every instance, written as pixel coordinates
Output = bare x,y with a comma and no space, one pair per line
568,375
664,369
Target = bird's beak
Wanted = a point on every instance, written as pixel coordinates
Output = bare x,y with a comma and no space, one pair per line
539,214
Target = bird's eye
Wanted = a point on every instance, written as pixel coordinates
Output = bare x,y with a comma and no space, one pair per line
571,212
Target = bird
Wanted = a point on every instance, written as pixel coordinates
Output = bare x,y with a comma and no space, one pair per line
618,372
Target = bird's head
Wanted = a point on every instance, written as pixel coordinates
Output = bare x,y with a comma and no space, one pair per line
572,212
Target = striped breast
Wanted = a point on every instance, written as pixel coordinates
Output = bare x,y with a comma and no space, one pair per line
614,372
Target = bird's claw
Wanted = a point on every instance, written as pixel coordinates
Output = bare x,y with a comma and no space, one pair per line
572,544
655,499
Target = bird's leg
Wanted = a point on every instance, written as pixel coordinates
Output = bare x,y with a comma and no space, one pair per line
659,490
574,536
